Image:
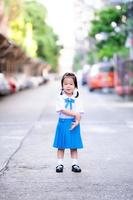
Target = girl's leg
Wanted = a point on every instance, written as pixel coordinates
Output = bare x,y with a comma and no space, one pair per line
74,156
60,156
74,153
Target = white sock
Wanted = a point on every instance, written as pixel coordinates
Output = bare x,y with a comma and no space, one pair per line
74,161
60,161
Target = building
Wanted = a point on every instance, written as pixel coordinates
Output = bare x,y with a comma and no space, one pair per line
84,12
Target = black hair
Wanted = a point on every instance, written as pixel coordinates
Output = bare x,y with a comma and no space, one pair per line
71,75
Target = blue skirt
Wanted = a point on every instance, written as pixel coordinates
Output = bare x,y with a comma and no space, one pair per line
66,138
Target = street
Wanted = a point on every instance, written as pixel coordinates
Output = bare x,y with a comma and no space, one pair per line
28,160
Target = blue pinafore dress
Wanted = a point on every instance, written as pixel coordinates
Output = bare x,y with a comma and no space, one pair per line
65,138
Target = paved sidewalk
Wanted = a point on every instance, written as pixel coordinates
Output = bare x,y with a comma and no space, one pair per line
106,160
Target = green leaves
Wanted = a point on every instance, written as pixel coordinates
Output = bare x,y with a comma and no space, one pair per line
108,22
29,29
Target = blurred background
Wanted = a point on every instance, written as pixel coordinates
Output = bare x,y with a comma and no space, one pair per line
42,37
39,41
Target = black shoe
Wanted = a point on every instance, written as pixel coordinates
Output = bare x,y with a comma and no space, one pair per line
76,168
59,168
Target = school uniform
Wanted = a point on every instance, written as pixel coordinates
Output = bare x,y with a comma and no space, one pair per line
64,137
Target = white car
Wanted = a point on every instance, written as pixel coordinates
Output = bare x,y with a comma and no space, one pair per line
4,86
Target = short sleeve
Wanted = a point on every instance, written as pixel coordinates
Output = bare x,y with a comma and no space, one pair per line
59,104
79,106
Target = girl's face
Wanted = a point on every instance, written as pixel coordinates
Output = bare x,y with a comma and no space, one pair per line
68,86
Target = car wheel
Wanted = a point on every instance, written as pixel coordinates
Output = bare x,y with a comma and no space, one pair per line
91,89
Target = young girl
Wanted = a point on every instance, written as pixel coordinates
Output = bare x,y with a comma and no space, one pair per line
67,134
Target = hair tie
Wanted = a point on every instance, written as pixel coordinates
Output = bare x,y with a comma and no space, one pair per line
62,91
76,93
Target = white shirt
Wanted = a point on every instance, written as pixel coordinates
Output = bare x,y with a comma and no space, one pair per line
76,105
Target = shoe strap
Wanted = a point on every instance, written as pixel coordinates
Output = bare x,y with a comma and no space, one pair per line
59,167
76,166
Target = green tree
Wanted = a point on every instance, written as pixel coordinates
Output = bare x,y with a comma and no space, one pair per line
108,25
29,29
46,40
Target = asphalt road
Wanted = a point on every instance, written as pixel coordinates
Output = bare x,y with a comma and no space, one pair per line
27,159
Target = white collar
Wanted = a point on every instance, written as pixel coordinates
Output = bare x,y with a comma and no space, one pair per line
65,96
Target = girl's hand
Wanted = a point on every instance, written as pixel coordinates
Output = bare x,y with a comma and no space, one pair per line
74,124
77,116
77,120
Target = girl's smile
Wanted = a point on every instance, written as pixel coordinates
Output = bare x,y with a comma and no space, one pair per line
68,86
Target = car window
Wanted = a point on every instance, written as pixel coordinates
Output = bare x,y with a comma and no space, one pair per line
106,69
94,71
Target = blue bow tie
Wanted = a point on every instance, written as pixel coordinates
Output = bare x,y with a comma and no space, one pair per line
69,103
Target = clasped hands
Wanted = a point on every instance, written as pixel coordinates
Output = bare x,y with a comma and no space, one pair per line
76,122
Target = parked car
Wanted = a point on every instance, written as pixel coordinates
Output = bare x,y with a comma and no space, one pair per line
101,76
85,72
124,78
35,80
14,85
4,85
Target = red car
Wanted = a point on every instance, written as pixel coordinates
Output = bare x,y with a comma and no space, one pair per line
124,78
101,76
